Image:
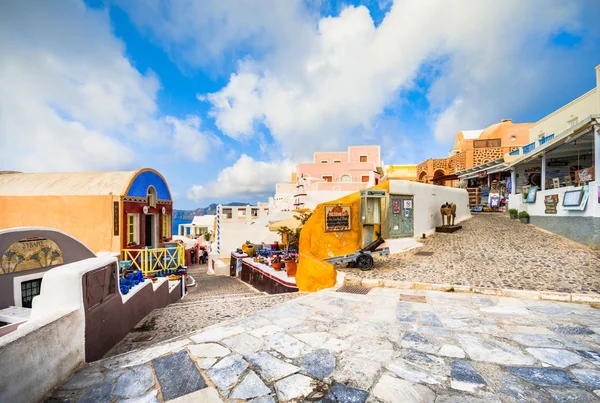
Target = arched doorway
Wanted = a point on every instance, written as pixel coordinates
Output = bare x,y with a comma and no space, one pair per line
423,177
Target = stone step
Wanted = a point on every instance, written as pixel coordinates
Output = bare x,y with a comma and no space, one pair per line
221,298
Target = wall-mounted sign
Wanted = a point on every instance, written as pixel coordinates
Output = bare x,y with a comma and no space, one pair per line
551,201
407,204
337,218
531,194
116,218
483,174
573,198
29,254
396,206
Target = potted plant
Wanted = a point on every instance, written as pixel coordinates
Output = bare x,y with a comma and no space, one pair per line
276,262
514,213
291,264
208,236
524,217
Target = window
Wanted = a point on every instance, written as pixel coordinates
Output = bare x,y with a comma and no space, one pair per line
364,178
241,213
513,138
346,178
166,226
30,289
133,229
151,196
254,212
328,178
363,158
337,161
228,213
323,161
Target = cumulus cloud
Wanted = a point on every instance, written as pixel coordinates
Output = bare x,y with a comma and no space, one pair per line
247,178
71,100
318,81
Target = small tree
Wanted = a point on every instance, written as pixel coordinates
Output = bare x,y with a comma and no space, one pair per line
292,236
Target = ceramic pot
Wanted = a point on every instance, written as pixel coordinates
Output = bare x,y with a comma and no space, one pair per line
514,216
290,268
524,220
277,266
248,249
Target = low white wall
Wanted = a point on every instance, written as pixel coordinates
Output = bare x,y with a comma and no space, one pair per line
233,235
538,208
45,351
428,200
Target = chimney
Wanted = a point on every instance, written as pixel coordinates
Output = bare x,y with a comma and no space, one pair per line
506,120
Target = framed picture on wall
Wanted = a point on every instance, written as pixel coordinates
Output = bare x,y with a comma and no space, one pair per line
573,197
531,194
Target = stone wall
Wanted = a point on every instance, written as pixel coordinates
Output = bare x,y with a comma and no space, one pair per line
585,230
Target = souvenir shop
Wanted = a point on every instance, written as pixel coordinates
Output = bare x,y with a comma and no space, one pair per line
488,188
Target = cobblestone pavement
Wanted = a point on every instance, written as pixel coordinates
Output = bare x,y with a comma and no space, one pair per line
491,250
213,300
387,346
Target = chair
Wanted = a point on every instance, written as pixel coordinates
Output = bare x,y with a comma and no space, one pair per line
568,181
555,183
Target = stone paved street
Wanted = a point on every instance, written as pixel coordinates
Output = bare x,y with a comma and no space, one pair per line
339,347
496,252
214,299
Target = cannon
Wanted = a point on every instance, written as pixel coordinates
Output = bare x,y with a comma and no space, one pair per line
362,258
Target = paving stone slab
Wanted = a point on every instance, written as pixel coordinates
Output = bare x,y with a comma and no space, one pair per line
226,373
405,371
341,393
287,345
454,398
572,395
464,377
591,356
513,389
393,390
490,350
430,319
588,376
150,397
319,363
263,399
406,316
357,371
544,376
313,339
135,381
98,393
535,340
448,350
251,386
217,334
243,343
177,375
208,350
417,342
266,331
84,379
556,357
572,330
294,387
206,363
206,395
271,368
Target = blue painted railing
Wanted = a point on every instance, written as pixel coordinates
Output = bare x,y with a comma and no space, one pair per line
528,148
515,152
546,139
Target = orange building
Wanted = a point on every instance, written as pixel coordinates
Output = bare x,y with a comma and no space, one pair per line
472,148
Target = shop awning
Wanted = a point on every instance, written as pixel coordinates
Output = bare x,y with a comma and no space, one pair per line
291,223
444,178
484,170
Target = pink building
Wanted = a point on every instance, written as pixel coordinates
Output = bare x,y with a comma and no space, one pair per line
329,176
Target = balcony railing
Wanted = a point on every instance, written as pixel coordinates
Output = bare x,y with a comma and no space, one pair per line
528,148
546,139
151,260
515,152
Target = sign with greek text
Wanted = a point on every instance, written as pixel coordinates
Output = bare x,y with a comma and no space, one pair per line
337,218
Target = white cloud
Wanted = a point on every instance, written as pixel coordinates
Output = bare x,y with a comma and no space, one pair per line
247,178
318,81
71,100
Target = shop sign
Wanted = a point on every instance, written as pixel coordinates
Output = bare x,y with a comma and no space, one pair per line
551,201
116,218
396,206
483,174
407,204
337,218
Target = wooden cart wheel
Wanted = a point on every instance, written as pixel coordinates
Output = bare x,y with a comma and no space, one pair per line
364,261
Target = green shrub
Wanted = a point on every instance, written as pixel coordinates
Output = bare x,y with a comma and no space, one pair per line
523,214
513,211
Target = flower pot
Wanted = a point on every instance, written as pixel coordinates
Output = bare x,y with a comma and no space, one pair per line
524,220
514,216
248,249
277,266
290,268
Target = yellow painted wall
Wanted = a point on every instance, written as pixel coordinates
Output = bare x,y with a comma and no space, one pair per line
313,273
89,219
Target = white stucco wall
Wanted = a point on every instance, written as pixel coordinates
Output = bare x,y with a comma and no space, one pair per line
46,350
428,200
538,208
234,234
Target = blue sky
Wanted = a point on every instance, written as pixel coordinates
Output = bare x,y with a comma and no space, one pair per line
224,97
